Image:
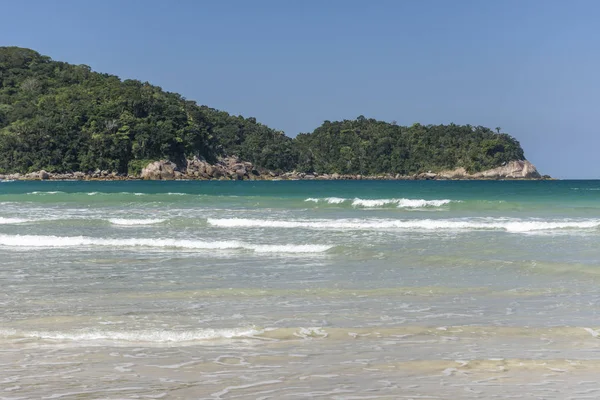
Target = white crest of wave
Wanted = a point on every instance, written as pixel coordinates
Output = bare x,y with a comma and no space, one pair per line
372,203
420,203
401,203
45,193
330,200
77,241
133,222
7,221
369,203
529,226
416,224
160,336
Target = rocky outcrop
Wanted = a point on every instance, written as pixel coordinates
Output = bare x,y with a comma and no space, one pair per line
458,173
232,168
228,168
159,170
517,169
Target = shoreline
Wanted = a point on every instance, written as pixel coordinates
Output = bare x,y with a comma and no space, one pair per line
23,178
233,169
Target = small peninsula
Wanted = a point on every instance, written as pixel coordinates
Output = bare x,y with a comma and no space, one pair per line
64,121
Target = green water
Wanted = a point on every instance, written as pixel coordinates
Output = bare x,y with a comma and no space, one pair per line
305,289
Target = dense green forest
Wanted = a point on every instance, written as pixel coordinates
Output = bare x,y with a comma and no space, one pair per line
62,117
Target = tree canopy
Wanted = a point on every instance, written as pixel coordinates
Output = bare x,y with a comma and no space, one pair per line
62,118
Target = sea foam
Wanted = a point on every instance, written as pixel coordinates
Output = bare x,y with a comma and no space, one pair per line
78,241
46,193
412,224
7,221
149,336
330,200
133,222
376,203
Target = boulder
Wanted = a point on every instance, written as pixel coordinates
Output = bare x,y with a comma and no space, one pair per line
159,170
238,167
457,173
427,176
517,169
240,173
217,173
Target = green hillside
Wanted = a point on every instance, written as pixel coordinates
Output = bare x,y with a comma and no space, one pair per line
62,117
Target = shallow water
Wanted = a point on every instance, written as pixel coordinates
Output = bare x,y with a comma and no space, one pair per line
337,290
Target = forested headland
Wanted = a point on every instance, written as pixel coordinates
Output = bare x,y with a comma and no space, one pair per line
60,117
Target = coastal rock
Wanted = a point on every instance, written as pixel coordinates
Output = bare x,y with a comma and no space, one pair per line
240,173
159,170
427,176
458,173
518,169
232,168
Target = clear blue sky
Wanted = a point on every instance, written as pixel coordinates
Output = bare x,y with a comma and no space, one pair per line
531,67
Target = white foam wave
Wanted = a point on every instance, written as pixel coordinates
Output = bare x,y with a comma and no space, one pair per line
130,193
45,193
7,221
176,194
330,200
133,222
160,336
373,203
78,241
412,224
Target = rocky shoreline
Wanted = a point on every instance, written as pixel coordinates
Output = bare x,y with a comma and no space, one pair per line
232,168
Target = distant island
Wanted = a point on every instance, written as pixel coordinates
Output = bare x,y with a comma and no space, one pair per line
64,121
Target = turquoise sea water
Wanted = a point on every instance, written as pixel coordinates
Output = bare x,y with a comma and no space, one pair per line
305,289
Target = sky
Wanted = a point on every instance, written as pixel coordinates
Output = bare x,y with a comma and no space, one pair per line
531,67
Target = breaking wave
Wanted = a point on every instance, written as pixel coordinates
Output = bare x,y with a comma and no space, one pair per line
373,203
7,221
134,222
151,336
411,224
76,241
162,336
46,193
330,200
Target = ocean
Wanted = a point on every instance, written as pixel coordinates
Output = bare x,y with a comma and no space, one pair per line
304,289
